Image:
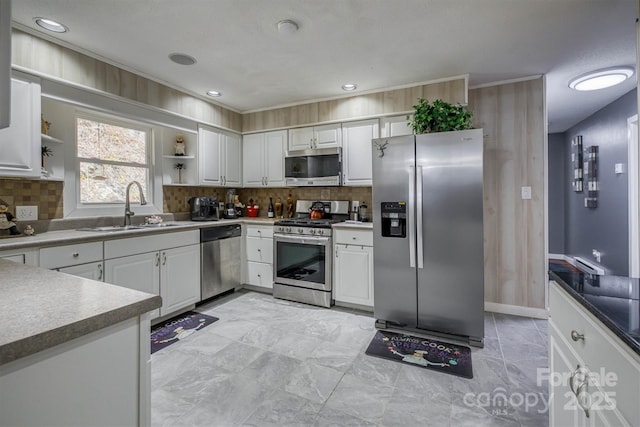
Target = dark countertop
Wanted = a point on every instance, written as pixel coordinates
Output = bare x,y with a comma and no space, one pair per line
614,300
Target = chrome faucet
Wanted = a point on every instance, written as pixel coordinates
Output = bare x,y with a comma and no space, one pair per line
127,205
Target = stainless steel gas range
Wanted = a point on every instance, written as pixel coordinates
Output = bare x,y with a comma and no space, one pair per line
303,248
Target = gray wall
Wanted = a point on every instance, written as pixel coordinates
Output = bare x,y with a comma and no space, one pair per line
604,228
557,191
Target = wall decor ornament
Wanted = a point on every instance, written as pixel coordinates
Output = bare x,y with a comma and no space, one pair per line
591,171
576,163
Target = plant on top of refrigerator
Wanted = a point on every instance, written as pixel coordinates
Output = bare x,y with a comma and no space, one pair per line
439,116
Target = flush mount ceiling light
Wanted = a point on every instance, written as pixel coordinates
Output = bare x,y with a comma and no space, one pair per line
214,93
182,59
287,27
349,87
51,25
601,79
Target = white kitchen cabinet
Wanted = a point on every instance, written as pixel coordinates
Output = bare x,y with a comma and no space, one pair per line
22,256
219,160
92,270
20,142
166,264
259,254
325,136
581,346
353,267
263,159
395,126
356,151
69,255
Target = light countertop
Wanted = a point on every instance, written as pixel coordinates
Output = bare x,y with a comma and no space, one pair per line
43,308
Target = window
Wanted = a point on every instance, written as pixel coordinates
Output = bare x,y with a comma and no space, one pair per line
110,153
110,156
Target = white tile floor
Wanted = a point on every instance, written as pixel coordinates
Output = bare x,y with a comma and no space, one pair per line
269,362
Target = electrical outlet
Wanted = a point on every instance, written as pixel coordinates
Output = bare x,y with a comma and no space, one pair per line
26,213
526,193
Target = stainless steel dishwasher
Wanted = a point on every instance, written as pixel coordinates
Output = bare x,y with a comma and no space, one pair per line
220,259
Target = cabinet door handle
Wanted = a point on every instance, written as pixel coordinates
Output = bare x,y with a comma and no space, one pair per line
157,258
577,336
99,271
75,254
583,398
164,258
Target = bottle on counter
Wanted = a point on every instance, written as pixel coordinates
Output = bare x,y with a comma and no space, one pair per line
289,206
270,212
278,208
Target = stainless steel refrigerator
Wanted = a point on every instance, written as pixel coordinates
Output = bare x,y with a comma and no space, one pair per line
428,234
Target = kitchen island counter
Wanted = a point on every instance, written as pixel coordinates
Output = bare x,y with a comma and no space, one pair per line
43,308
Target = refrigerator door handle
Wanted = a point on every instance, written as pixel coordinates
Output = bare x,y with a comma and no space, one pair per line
419,243
411,208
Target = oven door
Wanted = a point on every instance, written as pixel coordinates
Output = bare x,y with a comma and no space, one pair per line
303,261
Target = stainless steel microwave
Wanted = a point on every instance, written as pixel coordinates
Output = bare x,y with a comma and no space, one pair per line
309,168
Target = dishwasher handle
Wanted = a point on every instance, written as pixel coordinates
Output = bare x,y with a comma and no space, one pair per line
211,234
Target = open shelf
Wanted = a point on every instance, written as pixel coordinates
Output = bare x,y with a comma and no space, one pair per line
47,139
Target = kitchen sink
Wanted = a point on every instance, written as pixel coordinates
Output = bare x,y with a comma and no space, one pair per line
115,228
111,228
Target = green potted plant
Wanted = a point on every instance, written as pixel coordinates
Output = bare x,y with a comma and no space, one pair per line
439,116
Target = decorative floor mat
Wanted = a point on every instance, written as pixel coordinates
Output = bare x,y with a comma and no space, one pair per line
178,328
424,352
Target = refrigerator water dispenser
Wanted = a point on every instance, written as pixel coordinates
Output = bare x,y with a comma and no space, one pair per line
394,219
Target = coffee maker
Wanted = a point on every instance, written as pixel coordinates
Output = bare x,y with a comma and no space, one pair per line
204,208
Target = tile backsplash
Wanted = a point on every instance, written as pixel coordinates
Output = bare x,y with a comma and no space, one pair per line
47,195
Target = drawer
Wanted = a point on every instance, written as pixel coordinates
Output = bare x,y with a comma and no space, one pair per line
600,350
63,256
354,237
259,250
260,274
259,231
155,242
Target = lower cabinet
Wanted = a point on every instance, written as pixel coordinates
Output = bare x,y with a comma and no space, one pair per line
80,259
171,272
353,267
594,378
259,253
92,270
21,256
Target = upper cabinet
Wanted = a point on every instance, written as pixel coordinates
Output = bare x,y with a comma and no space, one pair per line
326,136
356,151
395,126
219,158
263,159
20,142
179,165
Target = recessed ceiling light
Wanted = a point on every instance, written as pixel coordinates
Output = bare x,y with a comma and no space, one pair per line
214,93
287,27
51,25
349,87
182,59
601,79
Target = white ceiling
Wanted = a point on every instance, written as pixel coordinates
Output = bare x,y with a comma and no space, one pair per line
374,43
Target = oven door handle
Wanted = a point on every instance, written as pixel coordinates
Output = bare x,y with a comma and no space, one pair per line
311,240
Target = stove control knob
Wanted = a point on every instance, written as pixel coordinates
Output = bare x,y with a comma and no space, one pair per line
312,231
300,230
279,229
288,229
321,231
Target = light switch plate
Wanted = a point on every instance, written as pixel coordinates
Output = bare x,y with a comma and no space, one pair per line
619,168
26,213
526,193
